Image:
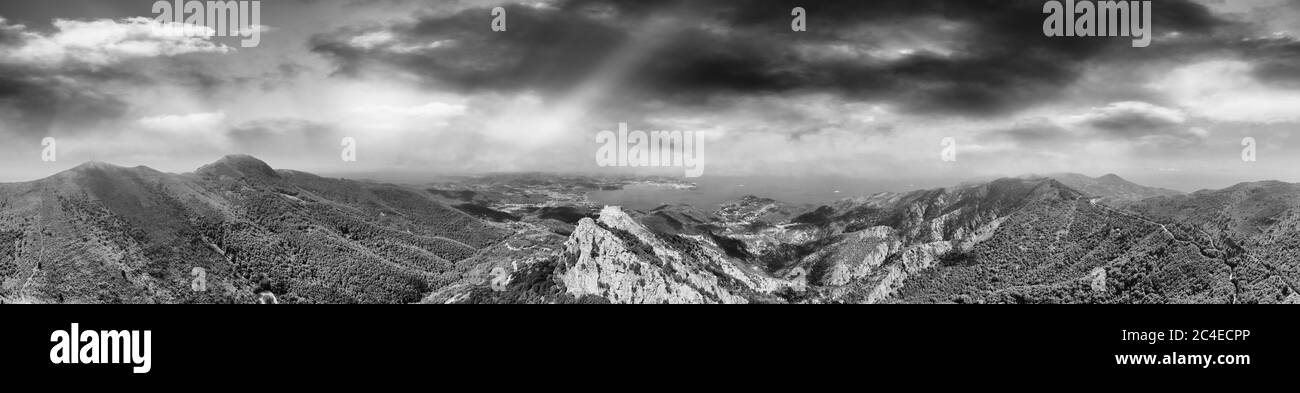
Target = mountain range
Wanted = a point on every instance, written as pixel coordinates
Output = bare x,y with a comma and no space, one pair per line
238,231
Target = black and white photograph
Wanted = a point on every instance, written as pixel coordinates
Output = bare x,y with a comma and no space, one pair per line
560,152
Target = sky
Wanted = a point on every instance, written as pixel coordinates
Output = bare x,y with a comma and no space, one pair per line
868,91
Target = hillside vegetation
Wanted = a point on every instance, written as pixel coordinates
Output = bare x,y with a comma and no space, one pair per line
102,233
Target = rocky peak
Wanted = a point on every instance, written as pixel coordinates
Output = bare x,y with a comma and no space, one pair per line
614,217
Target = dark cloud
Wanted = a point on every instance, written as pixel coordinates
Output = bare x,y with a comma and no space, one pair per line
1129,121
1126,118
9,35
49,85
1031,133
208,79
1277,61
32,102
1183,17
35,100
996,58
1142,122
542,49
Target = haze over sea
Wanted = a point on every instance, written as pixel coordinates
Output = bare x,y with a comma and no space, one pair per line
710,191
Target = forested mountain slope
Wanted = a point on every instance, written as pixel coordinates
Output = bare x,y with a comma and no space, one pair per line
102,233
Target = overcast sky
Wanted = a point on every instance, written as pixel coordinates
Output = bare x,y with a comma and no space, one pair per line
868,91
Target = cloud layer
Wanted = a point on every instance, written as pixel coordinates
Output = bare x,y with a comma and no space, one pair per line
868,90
968,57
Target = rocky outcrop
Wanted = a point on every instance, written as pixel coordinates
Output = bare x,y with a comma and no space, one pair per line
616,258
857,256
1097,280
911,261
603,265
